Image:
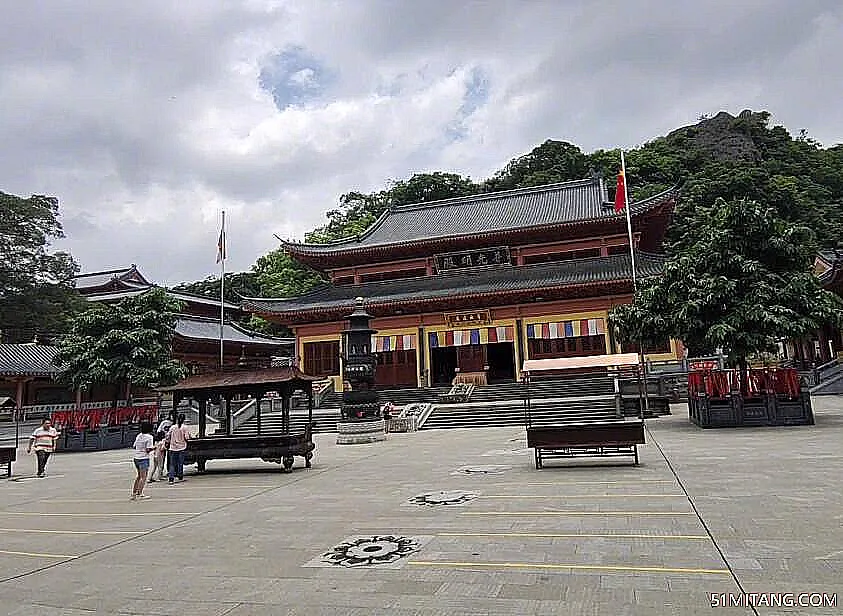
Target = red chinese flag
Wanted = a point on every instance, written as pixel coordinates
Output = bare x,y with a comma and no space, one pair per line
620,201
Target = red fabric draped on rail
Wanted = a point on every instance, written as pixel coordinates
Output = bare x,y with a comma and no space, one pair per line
720,383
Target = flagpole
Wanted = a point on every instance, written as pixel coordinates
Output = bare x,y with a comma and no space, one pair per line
628,222
646,402
222,256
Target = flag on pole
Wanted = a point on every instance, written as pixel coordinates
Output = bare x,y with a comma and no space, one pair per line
620,193
221,254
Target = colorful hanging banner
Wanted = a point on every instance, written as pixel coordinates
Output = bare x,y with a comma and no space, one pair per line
383,344
464,337
567,329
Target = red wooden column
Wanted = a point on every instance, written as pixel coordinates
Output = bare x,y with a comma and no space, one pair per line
19,393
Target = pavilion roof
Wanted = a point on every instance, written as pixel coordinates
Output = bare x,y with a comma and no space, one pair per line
201,328
488,213
242,378
126,275
476,282
29,359
133,290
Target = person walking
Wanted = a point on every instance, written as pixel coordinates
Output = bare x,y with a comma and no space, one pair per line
43,441
143,445
177,439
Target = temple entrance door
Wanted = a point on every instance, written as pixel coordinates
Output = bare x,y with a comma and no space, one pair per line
501,359
396,369
443,363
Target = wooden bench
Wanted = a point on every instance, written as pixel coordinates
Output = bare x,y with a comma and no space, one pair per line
7,456
609,438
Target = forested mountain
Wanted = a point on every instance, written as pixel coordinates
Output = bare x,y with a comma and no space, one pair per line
723,156
721,162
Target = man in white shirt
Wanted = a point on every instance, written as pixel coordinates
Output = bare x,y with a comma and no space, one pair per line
43,441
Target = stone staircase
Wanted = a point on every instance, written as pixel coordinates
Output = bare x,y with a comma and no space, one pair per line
324,420
399,397
553,401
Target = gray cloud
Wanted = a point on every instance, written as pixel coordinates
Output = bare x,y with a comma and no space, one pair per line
147,119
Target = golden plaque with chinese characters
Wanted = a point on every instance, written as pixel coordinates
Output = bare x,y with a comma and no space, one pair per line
467,259
473,317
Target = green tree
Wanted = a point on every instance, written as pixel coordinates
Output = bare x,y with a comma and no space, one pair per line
129,343
36,290
551,162
237,285
358,210
739,279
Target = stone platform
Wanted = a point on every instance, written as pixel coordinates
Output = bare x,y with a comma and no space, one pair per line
360,432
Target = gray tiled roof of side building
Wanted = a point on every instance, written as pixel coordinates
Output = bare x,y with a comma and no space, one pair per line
554,204
474,282
198,328
27,360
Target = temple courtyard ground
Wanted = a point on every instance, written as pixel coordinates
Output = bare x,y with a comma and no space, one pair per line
706,513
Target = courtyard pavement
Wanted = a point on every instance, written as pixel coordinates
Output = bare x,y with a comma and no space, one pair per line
707,511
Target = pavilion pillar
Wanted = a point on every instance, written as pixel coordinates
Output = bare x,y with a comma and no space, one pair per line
258,400
19,393
309,403
203,410
227,414
420,359
520,351
285,410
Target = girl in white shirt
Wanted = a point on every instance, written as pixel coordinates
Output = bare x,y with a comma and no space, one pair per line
143,445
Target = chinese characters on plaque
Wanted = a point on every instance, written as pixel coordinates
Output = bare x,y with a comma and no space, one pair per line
472,258
475,317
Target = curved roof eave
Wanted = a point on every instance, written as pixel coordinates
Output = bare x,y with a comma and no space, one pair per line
353,244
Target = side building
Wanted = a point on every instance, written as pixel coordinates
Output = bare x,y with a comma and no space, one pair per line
197,334
475,285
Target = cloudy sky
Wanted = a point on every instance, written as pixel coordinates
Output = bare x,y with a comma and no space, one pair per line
147,119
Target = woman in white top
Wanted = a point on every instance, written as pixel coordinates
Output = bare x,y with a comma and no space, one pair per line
143,445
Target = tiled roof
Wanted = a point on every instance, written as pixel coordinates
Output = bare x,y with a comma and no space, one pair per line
475,282
541,206
198,328
140,290
27,360
245,378
98,279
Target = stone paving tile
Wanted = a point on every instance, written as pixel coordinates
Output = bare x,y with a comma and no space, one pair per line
767,507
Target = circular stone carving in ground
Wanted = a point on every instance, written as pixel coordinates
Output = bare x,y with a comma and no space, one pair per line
486,469
444,497
368,551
